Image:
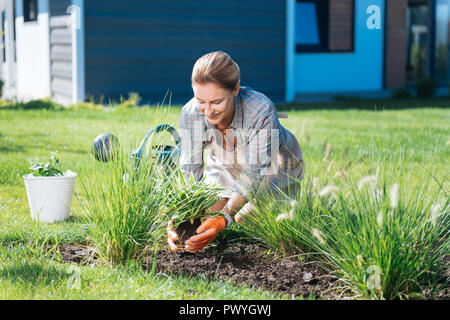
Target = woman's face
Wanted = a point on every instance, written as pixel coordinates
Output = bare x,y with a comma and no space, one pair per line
215,102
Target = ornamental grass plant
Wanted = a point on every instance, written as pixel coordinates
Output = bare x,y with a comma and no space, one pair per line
190,199
128,204
379,228
123,207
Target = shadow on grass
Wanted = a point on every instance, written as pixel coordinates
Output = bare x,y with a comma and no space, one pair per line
13,148
44,145
367,104
30,273
8,146
38,104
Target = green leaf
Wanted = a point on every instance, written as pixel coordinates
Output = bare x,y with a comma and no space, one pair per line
48,169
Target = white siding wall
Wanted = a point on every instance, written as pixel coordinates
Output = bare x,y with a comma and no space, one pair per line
33,54
60,52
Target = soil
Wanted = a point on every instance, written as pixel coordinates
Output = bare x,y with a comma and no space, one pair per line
249,264
243,263
76,253
185,230
240,263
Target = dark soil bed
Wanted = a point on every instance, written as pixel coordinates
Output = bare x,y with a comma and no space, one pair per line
245,264
242,264
249,264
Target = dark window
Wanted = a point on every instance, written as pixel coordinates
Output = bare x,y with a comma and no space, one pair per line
30,10
324,25
442,42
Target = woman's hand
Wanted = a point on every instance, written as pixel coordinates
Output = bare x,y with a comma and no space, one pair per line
206,233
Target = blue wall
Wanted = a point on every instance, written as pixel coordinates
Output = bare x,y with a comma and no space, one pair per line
150,47
356,71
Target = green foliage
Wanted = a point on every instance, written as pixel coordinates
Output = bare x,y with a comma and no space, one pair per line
132,101
386,240
421,128
91,103
123,208
38,104
418,60
426,87
47,104
6,103
86,105
401,93
384,235
98,103
189,199
39,246
48,169
127,209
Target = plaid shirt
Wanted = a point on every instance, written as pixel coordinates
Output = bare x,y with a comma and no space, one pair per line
255,123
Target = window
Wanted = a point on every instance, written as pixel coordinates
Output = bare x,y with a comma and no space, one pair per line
442,42
418,38
324,25
311,26
30,10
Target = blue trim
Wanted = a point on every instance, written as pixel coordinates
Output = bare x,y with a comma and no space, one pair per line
79,94
290,51
19,8
385,28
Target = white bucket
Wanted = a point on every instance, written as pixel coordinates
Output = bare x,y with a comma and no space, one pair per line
50,197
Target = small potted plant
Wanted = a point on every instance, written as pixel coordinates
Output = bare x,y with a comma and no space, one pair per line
189,203
49,190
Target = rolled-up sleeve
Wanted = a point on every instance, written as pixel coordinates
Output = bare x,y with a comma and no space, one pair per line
191,144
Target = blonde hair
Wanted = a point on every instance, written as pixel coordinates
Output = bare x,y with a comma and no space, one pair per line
216,67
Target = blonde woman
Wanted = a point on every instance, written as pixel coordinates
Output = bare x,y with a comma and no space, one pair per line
249,150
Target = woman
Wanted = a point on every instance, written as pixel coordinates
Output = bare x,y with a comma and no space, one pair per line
250,151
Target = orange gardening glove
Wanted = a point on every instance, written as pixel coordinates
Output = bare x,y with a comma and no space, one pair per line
206,233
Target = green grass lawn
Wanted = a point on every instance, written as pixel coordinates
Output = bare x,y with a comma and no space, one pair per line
26,136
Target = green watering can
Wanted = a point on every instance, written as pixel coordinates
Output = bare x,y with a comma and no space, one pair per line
105,148
166,155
